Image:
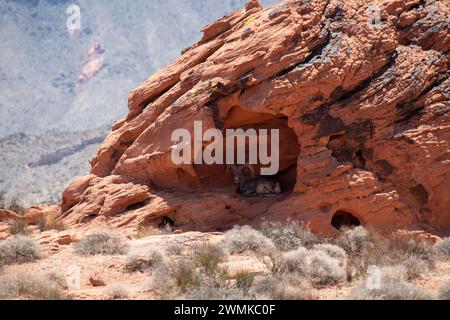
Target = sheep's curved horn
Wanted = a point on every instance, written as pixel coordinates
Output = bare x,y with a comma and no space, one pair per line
251,168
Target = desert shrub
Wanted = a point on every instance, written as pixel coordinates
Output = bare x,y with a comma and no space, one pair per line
272,260
2,200
210,291
185,276
289,235
363,248
117,291
393,286
366,248
142,261
16,206
175,249
25,285
244,238
415,267
399,249
101,242
325,270
355,240
18,226
283,287
208,256
442,248
297,261
244,281
57,278
162,282
49,222
444,291
332,250
18,249
314,265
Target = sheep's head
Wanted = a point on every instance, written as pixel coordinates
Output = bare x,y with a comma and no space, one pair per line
238,171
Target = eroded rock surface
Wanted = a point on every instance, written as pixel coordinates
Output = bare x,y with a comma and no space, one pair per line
361,102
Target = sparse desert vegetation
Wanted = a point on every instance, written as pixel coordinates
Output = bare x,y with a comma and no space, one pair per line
242,263
13,204
117,291
142,261
32,286
18,249
443,248
444,291
101,242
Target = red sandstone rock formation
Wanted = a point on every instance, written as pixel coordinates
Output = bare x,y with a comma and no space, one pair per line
361,101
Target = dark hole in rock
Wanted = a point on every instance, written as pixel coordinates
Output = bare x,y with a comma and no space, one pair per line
166,224
385,167
88,218
216,177
344,219
420,193
358,160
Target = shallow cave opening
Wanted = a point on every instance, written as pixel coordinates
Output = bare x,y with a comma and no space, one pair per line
344,219
219,178
166,224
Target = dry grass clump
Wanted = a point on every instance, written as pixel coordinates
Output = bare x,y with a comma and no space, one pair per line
50,222
143,231
19,249
283,287
442,248
244,281
315,266
199,277
13,205
393,286
143,261
365,247
117,291
106,242
27,286
175,249
332,250
289,235
18,226
208,256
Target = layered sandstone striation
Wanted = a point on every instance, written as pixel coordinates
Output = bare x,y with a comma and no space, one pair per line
361,102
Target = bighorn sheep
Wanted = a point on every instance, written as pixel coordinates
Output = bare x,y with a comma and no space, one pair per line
253,186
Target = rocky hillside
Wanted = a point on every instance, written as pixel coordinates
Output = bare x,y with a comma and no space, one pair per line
35,168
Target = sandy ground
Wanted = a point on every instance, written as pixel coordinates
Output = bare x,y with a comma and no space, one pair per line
61,259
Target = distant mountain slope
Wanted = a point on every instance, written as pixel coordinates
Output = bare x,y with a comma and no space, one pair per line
40,62
35,168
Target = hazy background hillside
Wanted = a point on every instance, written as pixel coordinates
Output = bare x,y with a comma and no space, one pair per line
51,123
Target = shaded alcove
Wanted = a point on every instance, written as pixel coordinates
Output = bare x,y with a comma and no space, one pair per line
215,178
344,219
